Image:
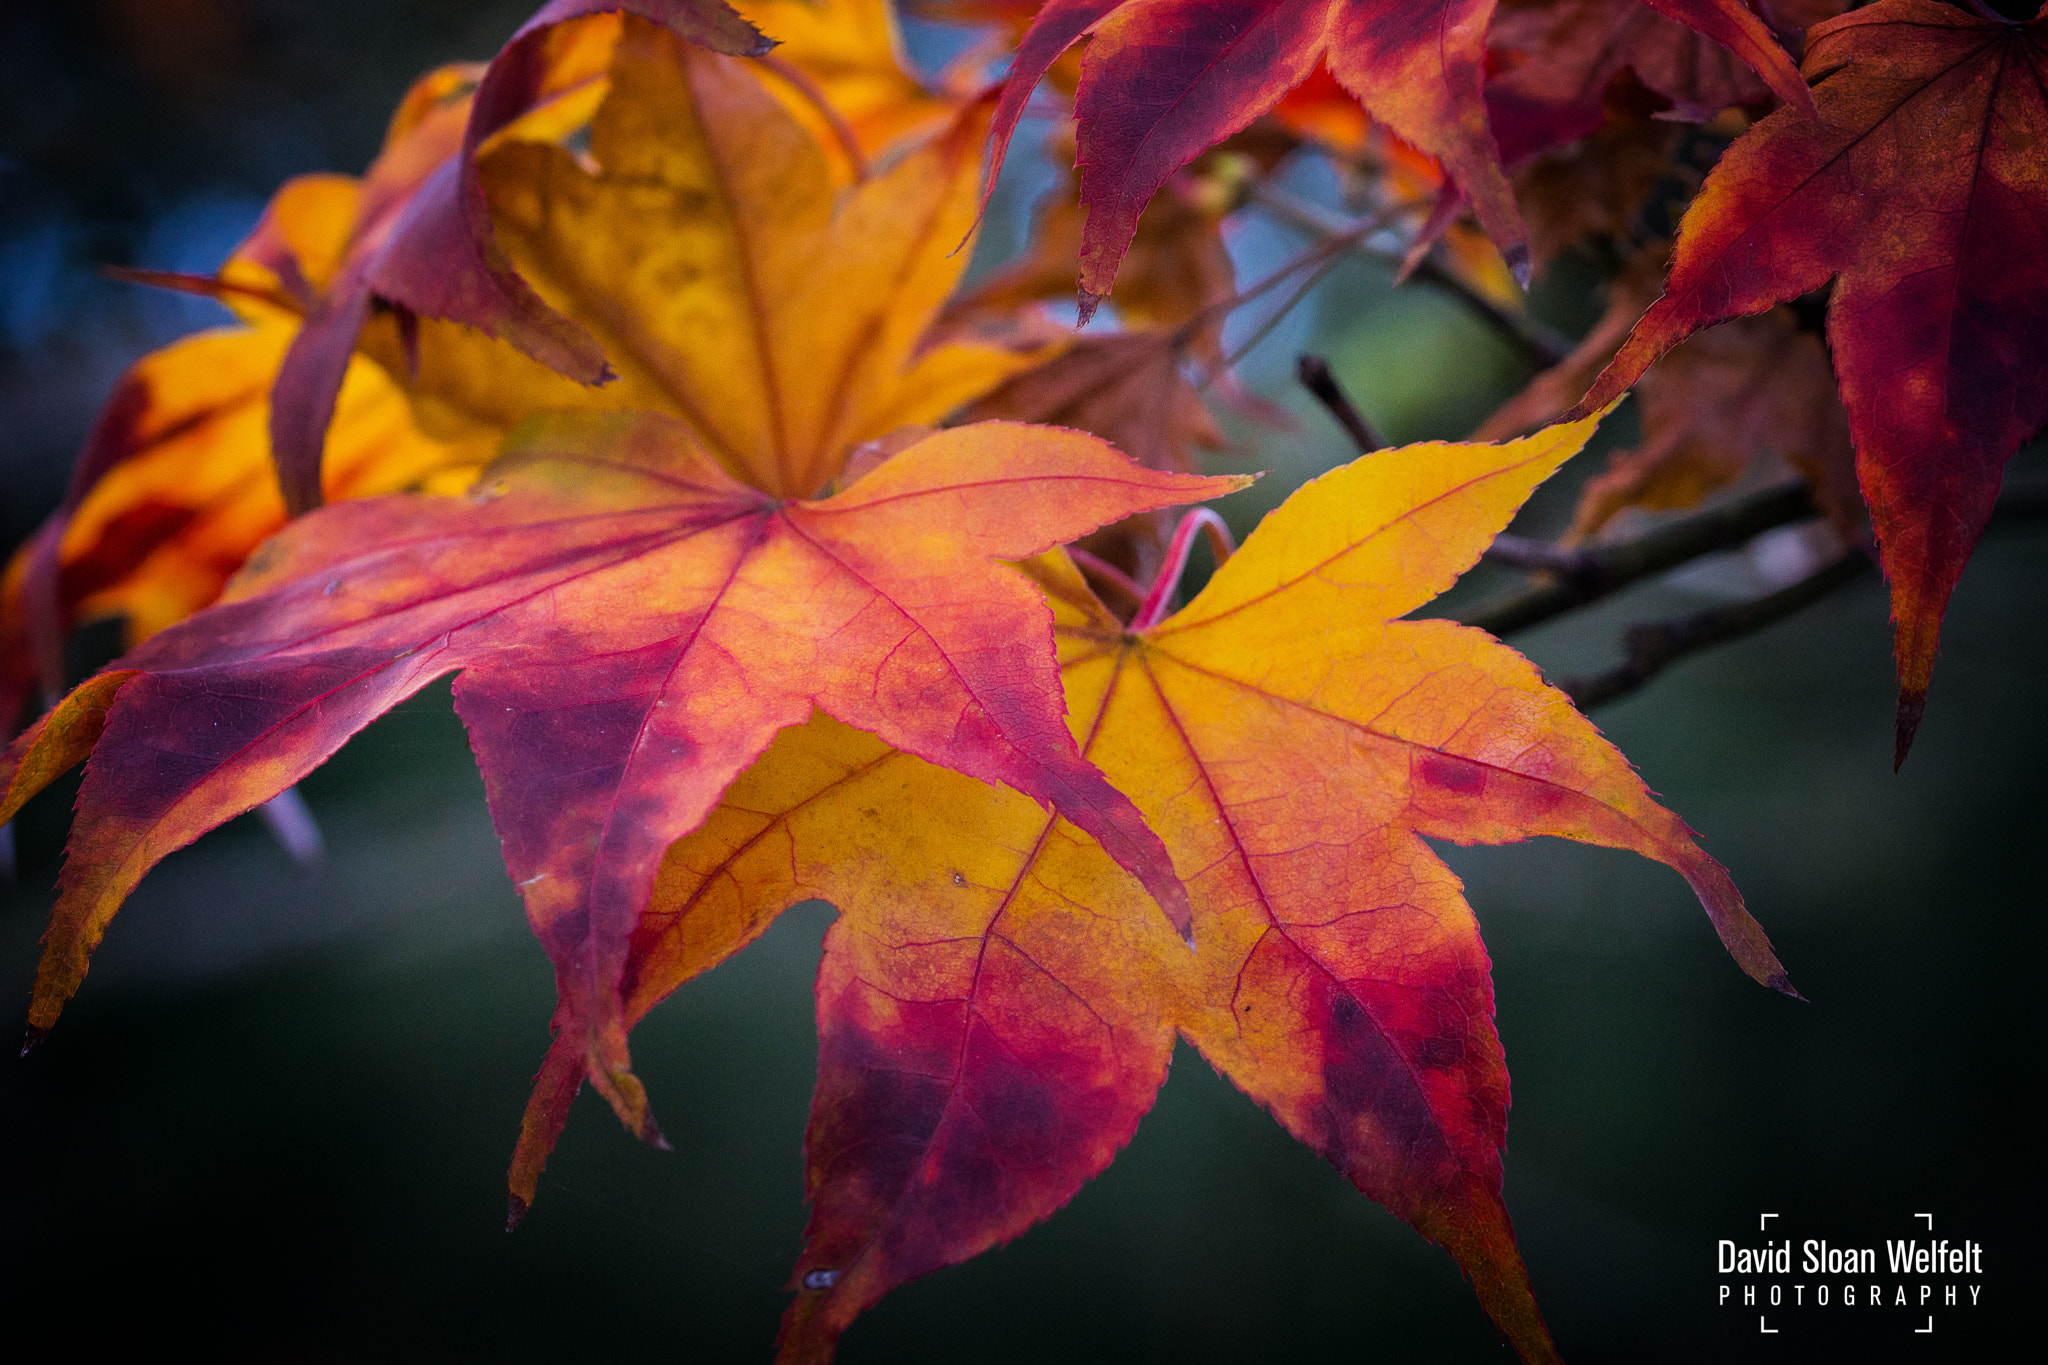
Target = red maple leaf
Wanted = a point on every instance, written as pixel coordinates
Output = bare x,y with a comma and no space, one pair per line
1163,81
1922,193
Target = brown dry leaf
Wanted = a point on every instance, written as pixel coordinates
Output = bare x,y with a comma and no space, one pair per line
1629,296
1593,187
1715,406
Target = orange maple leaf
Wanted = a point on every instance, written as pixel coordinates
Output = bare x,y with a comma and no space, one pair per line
737,284
173,490
997,1004
780,327
1921,193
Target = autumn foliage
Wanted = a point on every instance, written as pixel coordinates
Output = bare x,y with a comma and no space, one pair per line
634,385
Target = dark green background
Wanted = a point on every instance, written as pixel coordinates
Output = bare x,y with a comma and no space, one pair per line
274,1123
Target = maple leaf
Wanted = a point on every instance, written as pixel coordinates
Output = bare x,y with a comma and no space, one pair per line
289,267
737,285
997,1007
1129,389
1162,81
1922,194
1719,404
174,489
631,626
1702,58
838,68
425,246
781,324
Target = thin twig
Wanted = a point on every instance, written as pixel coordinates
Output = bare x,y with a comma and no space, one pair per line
1325,249
1653,646
1542,345
1272,320
1539,556
1576,577
1314,373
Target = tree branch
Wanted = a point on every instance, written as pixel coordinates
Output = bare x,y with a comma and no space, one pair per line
1651,647
1574,577
1315,376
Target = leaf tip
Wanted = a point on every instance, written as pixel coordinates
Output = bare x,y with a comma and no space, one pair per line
1912,706
1782,983
515,1212
1520,264
32,1038
1086,302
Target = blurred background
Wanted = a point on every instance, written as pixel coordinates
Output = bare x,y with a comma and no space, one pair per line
274,1125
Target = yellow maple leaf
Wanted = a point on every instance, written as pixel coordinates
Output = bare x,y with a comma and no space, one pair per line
999,1001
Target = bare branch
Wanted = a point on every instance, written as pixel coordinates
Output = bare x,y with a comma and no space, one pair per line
1539,556
1315,376
1576,576
1651,647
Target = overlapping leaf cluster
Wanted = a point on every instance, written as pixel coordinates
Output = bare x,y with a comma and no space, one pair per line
1897,192
638,383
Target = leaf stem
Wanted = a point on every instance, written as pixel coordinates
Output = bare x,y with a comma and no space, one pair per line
1096,567
1158,601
